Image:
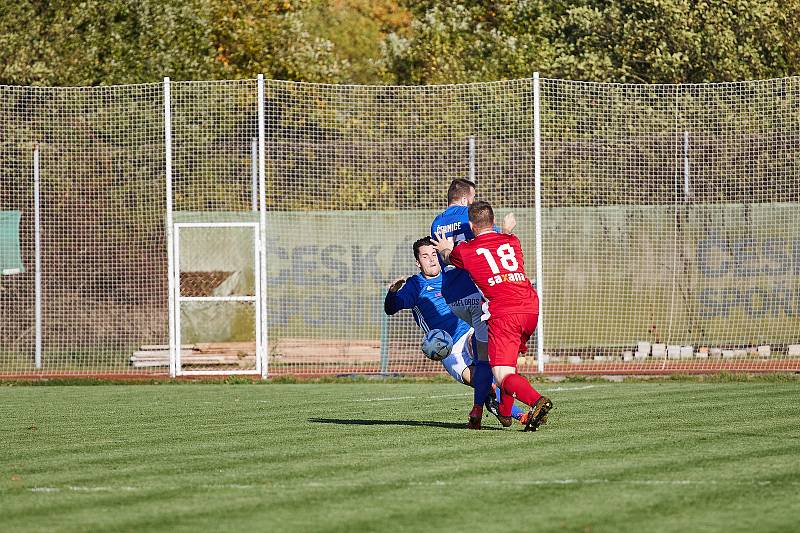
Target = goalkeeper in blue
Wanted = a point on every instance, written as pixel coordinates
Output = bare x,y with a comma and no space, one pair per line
422,294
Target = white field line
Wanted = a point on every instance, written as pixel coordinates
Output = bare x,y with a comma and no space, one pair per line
468,393
564,389
74,488
402,484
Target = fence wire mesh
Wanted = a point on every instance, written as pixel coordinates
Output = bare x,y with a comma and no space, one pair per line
669,241
102,225
667,232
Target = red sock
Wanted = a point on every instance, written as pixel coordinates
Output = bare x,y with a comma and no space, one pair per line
506,403
515,385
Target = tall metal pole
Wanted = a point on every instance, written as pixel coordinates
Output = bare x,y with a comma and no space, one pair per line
170,241
38,257
537,165
254,174
263,227
685,166
472,158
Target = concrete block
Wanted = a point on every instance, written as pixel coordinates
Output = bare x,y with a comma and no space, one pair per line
659,350
574,360
673,352
643,347
687,352
794,350
627,355
764,351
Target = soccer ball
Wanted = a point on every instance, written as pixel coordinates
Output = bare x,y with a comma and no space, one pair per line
437,344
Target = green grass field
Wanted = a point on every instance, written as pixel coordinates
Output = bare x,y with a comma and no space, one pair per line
663,456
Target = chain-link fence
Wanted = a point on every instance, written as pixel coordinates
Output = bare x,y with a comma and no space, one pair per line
668,236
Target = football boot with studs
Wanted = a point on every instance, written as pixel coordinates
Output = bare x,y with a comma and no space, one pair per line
538,414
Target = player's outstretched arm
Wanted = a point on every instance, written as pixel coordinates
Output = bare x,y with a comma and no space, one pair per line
509,223
396,284
400,295
444,245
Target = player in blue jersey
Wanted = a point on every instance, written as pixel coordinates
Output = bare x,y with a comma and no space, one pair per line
422,294
455,219
460,292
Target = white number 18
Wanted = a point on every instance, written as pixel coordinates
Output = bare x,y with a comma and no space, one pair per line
507,258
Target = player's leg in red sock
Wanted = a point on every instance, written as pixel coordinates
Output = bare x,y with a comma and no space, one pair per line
506,403
517,386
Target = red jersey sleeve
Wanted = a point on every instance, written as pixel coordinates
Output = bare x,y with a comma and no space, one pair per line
456,259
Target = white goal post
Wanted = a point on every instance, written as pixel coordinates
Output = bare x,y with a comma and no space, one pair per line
255,299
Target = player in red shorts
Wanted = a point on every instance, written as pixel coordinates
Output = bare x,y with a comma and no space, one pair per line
496,264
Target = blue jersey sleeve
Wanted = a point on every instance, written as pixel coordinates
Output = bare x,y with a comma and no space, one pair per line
405,298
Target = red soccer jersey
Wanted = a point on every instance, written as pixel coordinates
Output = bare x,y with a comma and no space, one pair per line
495,263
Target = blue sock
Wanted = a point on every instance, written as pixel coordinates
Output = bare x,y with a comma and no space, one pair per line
482,381
516,412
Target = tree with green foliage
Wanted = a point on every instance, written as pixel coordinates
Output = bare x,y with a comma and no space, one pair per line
127,41
397,41
649,41
356,29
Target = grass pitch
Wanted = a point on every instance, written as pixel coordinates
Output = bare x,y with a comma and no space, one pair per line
668,456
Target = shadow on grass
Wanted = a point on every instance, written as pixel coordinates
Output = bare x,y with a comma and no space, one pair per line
416,423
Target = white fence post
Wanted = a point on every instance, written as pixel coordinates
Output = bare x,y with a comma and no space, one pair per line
170,242
38,256
263,229
254,174
537,142
685,166
472,158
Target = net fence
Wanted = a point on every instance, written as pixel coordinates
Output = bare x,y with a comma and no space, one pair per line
669,241
101,209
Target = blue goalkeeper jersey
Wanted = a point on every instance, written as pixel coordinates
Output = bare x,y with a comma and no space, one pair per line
424,297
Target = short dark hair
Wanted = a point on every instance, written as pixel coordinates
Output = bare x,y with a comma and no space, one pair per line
481,214
459,188
419,243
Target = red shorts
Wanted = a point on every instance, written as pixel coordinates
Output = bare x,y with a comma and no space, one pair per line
508,335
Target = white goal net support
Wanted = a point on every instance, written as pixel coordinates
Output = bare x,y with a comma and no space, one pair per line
669,240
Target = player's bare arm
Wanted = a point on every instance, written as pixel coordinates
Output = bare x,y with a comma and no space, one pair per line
509,223
396,284
444,245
